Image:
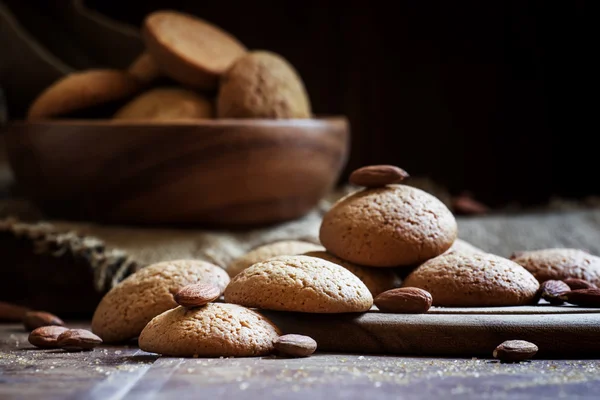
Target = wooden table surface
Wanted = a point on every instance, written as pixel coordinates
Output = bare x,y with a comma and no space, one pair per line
117,372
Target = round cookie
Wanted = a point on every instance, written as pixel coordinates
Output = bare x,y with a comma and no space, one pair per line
213,330
299,283
164,104
190,50
275,249
559,264
144,68
474,280
81,90
377,280
392,226
462,246
262,84
130,305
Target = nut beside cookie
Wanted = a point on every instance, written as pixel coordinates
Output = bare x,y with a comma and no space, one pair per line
299,283
213,330
129,306
474,280
559,264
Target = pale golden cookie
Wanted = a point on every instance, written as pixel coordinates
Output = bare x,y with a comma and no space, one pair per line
559,264
275,249
144,68
212,330
474,280
188,49
262,84
129,306
81,90
462,246
164,104
392,226
299,283
377,280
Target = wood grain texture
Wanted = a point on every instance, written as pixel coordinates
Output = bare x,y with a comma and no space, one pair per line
441,335
217,172
119,372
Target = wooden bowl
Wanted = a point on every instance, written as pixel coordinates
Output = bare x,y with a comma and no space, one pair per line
222,173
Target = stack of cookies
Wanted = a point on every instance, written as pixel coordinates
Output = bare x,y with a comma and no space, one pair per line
191,69
387,230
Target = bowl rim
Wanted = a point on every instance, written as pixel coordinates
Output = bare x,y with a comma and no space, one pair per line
221,122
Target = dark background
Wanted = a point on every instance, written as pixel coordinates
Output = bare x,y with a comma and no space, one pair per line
493,97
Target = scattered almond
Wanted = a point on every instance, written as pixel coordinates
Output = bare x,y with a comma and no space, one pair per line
576,284
378,175
197,295
583,297
46,336
12,312
552,289
407,300
515,350
295,345
35,319
78,340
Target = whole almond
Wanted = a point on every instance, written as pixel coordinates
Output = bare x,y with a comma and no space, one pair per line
197,295
552,290
377,175
46,336
78,340
576,284
583,297
35,319
515,350
12,312
407,300
295,345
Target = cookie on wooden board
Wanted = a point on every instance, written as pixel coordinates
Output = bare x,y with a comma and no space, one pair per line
213,330
559,264
188,49
81,90
165,104
262,84
130,305
391,226
377,280
299,283
144,68
275,249
474,280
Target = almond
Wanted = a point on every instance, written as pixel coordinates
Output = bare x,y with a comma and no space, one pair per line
407,300
515,350
77,340
583,297
378,175
46,336
551,290
295,345
12,312
35,319
576,284
197,295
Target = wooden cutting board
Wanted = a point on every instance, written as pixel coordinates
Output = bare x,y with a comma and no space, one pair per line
558,331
